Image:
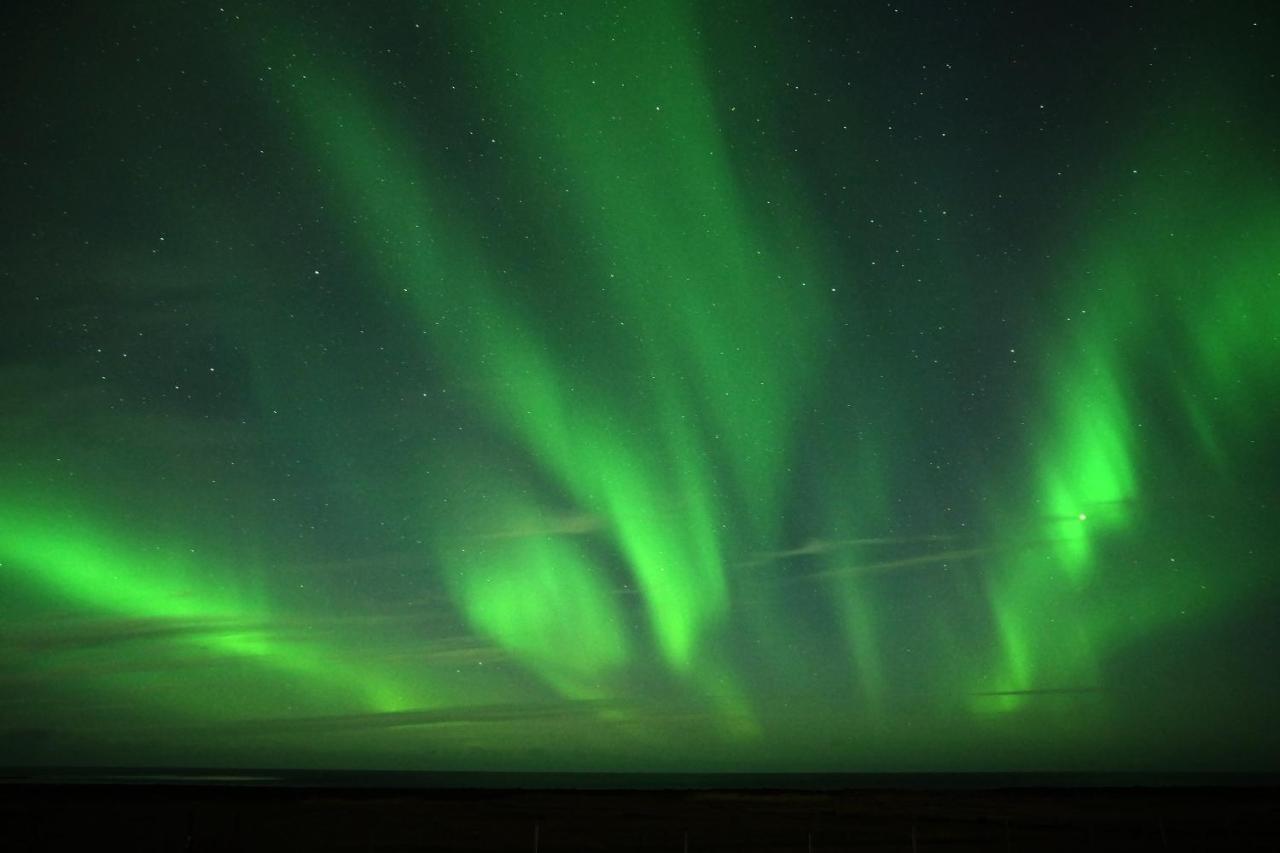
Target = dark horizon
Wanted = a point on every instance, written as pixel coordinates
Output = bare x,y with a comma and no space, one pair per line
498,781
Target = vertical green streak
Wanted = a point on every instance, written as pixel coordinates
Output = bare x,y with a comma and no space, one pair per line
725,323
434,262
855,505
1086,471
618,100
1155,402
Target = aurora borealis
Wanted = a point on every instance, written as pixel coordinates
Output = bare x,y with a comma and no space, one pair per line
664,385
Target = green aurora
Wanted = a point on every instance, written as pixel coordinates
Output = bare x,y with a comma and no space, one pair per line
639,386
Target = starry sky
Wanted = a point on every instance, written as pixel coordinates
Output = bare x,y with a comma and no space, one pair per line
640,386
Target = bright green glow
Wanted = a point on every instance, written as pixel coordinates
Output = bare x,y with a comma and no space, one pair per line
696,281
693,278
543,600
726,317
627,387
64,556
1189,299
1088,465
676,563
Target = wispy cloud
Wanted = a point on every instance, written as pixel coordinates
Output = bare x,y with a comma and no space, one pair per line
828,546
950,555
1042,691
613,712
563,524
179,643
87,632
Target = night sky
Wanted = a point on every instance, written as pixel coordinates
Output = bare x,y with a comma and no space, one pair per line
662,385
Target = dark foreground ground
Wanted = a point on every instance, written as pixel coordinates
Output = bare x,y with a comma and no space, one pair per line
166,817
